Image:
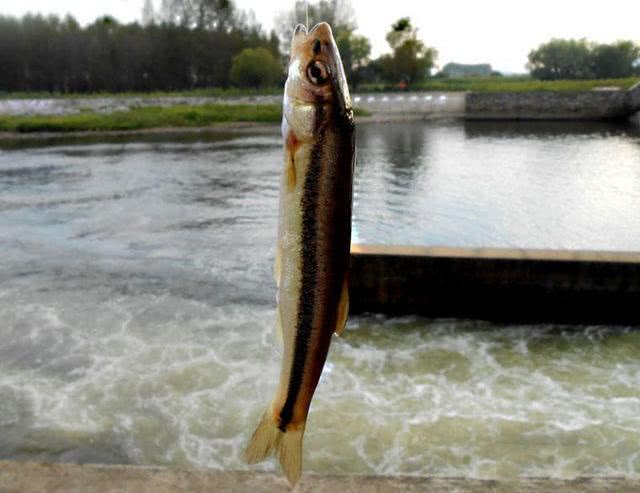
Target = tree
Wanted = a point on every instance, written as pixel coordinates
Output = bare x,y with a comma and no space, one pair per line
203,14
354,49
615,60
411,61
580,59
255,67
339,14
49,54
562,59
148,13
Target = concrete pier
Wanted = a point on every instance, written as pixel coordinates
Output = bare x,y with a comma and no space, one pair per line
19,477
503,285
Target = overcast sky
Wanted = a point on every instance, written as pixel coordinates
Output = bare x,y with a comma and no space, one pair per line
500,32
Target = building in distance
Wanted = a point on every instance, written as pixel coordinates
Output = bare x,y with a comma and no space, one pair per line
467,70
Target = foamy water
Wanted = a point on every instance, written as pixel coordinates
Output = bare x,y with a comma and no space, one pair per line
137,311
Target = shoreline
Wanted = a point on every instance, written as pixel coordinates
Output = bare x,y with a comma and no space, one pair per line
73,478
256,127
230,127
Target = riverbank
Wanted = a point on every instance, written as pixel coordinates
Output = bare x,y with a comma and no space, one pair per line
134,115
461,84
136,119
17,477
141,118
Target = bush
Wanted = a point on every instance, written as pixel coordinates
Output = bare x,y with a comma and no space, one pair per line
255,67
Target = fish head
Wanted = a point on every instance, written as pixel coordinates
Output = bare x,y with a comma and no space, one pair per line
316,91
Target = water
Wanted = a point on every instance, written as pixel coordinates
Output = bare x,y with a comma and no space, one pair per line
137,305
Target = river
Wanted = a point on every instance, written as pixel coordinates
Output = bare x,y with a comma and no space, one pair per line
137,304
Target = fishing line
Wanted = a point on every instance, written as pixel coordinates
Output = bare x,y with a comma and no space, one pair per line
306,9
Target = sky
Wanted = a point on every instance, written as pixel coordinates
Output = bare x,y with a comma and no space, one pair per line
499,32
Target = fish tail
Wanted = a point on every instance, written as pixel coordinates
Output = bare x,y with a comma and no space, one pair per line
287,446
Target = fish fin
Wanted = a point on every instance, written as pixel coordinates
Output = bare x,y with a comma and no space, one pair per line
278,328
286,445
264,439
343,308
289,451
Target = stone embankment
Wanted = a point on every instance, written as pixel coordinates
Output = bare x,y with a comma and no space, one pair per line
612,104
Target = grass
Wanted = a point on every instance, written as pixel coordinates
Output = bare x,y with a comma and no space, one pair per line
507,84
478,84
144,118
141,118
215,92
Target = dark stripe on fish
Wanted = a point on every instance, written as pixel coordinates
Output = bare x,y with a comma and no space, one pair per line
306,303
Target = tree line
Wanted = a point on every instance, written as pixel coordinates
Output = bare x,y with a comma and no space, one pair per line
189,44
580,59
58,55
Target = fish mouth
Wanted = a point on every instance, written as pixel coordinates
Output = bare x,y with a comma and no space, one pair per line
302,29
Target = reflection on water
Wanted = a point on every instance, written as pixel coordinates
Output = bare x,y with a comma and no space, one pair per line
500,184
137,303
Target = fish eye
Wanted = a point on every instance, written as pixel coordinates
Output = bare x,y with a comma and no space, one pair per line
318,73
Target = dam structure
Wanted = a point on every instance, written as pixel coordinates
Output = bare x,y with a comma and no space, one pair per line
498,284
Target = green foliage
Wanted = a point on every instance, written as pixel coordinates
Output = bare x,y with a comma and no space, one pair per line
354,49
616,60
58,56
338,13
145,118
140,118
217,92
400,32
255,67
216,15
411,60
579,59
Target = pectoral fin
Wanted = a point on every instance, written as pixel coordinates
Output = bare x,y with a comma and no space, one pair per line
343,308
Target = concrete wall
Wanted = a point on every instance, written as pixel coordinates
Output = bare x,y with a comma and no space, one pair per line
583,105
414,104
496,284
432,104
68,478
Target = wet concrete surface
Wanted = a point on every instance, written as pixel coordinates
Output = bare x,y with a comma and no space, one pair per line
70,478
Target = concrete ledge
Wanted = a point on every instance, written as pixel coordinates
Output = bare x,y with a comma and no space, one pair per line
504,285
553,105
68,478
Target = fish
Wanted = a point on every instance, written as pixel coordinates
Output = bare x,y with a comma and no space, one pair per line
314,237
